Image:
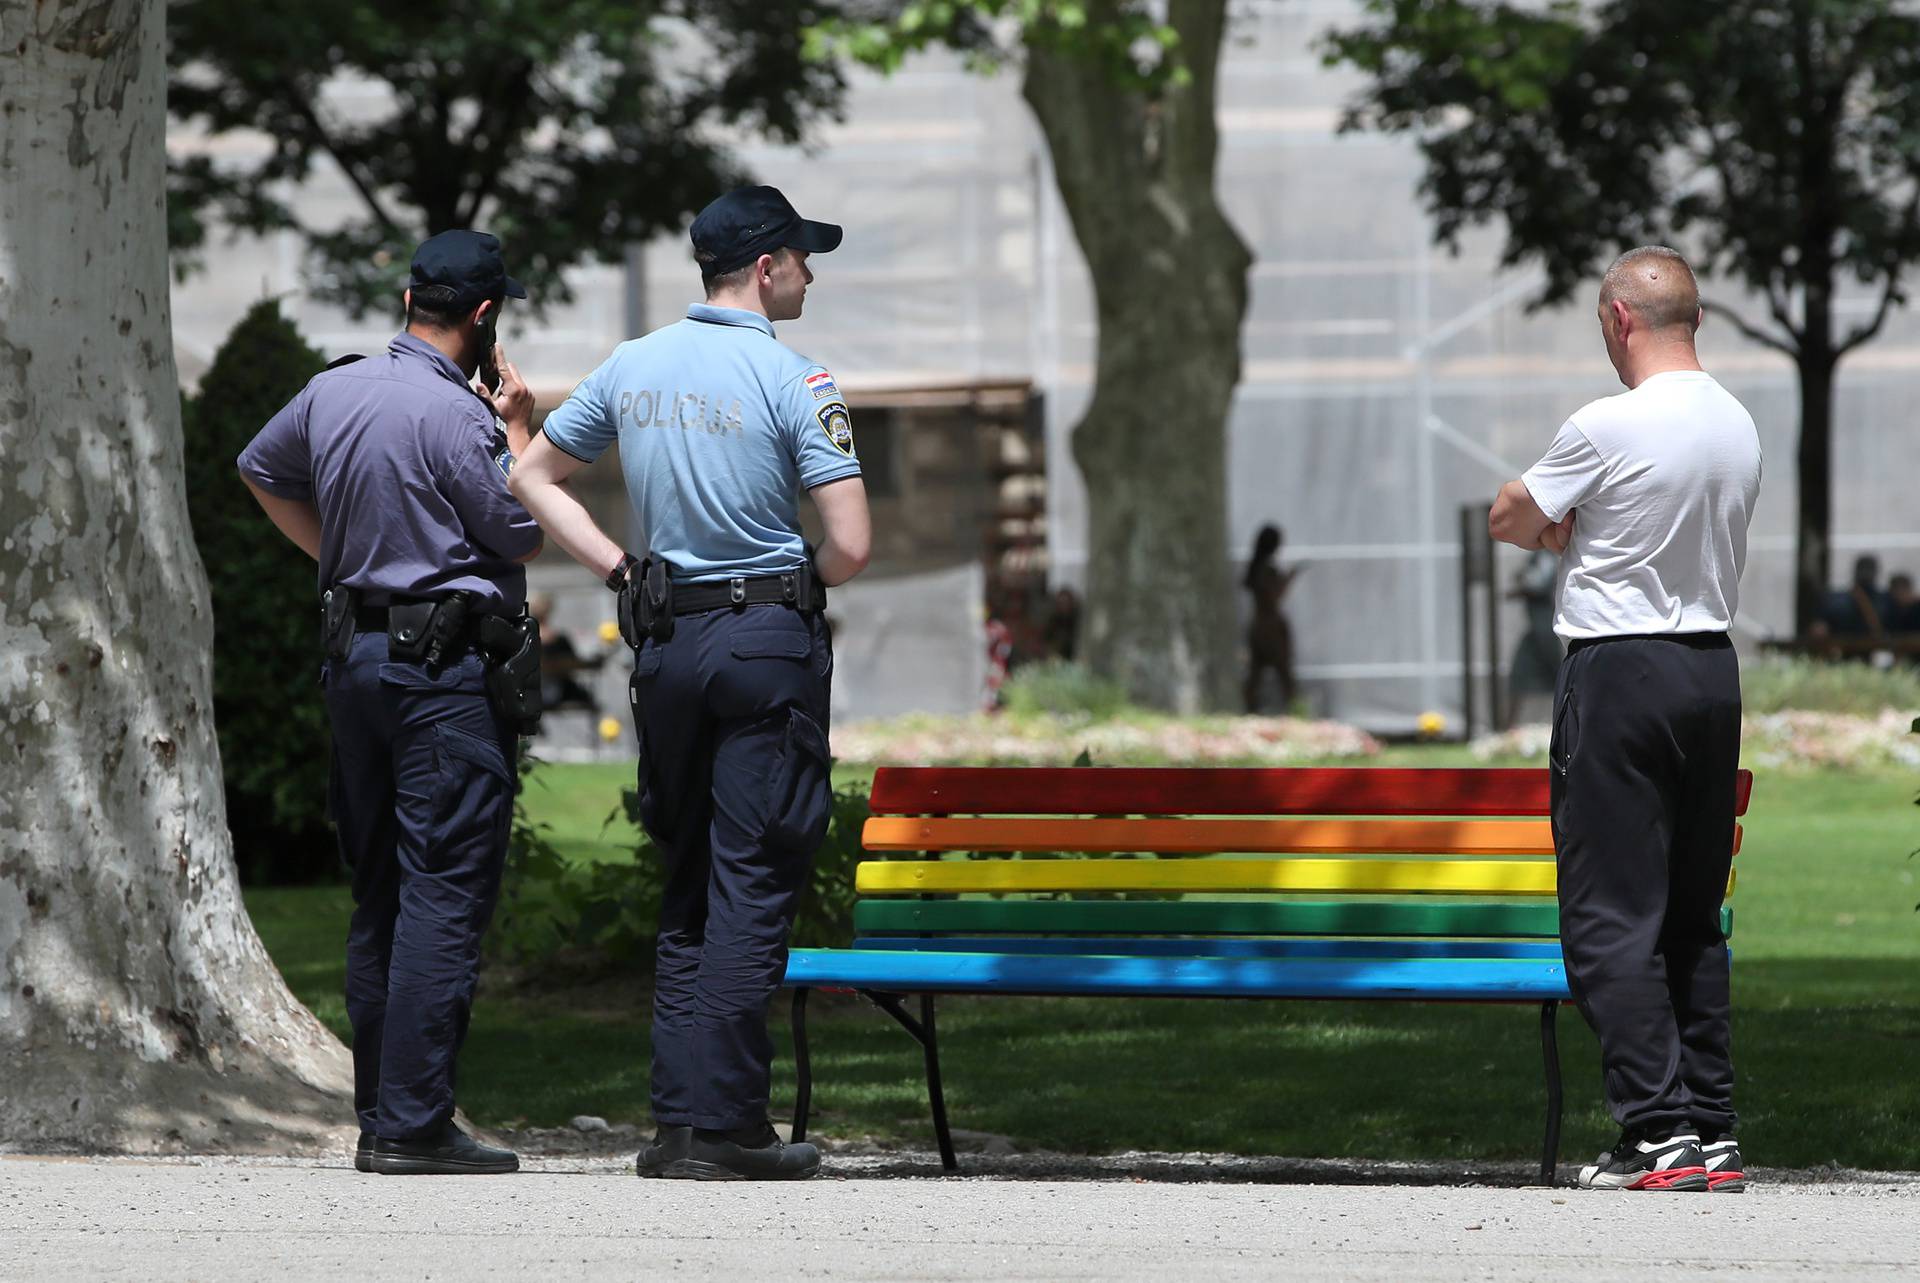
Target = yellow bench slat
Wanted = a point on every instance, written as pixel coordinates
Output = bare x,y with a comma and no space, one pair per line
1370,877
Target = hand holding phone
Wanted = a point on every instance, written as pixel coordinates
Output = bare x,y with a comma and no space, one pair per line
489,355
509,394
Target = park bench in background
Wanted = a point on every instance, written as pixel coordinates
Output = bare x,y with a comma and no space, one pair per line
1347,883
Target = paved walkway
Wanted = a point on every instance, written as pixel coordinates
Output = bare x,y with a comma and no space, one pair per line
1151,1218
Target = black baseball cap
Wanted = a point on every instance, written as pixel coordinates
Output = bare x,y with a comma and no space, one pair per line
750,221
468,263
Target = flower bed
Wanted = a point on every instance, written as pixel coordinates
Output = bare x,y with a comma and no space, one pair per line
1772,741
1055,740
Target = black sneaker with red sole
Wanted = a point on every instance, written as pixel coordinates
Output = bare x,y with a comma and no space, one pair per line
1667,1163
1725,1172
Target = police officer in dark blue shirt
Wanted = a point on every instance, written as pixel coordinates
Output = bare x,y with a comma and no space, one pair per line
391,472
720,426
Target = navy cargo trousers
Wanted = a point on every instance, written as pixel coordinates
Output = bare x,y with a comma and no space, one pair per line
731,714
422,795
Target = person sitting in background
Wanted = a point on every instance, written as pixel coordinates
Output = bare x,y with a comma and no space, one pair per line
1063,625
559,661
1859,609
1903,605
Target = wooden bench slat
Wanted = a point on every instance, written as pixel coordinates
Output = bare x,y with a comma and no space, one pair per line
1433,918
1304,837
1354,877
1210,837
1202,790
1217,947
1477,979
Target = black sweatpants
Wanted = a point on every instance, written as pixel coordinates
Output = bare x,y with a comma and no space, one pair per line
1646,745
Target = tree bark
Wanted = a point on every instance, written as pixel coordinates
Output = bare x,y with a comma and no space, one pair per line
138,1010
1136,174
1813,530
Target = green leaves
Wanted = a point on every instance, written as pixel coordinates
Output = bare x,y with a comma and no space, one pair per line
1785,138
570,129
1122,37
268,713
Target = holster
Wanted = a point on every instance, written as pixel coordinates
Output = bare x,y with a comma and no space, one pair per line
429,632
646,604
511,649
336,621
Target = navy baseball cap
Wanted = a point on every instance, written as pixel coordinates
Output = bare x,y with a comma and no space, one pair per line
750,221
468,263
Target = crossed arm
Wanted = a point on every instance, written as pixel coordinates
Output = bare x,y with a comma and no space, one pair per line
1517,519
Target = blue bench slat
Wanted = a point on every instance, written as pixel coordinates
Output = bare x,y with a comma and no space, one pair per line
1413,978
1217,947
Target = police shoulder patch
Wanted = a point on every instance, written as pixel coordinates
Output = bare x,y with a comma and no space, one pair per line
838,425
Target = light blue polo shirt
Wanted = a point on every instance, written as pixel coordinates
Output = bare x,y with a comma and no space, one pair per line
720,426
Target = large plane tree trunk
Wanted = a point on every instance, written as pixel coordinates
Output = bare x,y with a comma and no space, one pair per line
138,1010
1136,174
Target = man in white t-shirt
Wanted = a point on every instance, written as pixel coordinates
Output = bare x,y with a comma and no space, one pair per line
1647,497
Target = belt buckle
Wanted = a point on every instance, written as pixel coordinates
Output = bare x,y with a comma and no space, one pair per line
737,591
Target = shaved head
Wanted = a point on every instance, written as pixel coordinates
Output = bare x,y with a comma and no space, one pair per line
1656,285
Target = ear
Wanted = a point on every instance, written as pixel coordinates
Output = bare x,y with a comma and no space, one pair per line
406,302
763,269
1622,318
484,313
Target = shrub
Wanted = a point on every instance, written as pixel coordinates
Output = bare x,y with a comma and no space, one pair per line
267,707
1778,684
1064,689
600,915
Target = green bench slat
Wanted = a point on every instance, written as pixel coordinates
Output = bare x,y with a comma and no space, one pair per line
1213,917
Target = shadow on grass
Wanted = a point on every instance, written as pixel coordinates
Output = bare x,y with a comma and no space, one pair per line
1826,1049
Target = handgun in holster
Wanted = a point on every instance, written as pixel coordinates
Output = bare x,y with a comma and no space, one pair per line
646,604
511,649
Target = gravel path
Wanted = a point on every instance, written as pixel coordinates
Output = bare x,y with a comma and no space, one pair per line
1142,1217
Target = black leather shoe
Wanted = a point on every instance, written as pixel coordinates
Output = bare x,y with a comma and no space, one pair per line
363,1153
745,1154
669,1145
451,1153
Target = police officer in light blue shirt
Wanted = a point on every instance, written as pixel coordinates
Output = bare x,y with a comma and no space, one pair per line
720,427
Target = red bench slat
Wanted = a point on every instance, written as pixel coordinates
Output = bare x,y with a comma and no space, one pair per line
1218,790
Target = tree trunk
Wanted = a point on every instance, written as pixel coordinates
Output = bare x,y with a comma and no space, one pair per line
1813,557
138,1010
1136,173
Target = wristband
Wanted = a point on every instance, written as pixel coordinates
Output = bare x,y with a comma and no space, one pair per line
618,578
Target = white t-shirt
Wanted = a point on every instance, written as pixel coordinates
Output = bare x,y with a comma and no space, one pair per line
1664,478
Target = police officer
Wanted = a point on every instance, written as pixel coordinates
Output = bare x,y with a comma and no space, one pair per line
391,473
719,427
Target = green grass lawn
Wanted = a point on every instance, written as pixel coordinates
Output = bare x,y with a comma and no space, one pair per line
1827,1026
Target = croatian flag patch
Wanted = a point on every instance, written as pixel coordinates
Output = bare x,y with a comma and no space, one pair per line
820,383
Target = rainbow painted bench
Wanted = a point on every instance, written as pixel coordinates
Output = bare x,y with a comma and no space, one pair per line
1432,885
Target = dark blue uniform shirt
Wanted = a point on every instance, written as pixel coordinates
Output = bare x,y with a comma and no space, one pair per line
402,458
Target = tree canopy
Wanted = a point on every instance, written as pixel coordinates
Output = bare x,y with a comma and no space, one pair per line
1777,141
569,128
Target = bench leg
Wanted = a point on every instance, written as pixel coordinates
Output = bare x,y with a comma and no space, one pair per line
1550,1051
802,1066
922,1031
935,1097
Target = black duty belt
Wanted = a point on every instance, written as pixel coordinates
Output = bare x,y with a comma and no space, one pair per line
762,590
